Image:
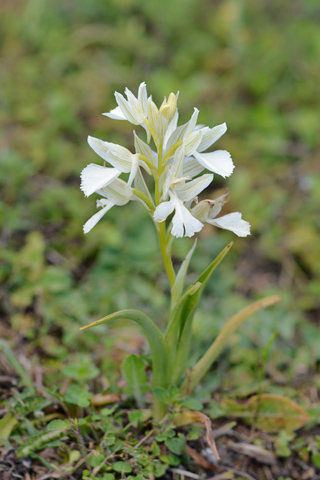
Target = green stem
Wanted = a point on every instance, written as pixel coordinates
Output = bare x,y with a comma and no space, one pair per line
167,261
161,227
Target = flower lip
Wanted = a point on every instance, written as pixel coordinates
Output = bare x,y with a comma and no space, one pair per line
183,222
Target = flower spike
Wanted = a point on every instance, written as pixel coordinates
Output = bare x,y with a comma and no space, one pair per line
176,166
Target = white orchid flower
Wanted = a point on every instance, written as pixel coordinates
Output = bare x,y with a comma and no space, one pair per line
135,110
182,192
207,211
183,223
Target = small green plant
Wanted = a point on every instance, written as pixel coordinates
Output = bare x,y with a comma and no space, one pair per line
176,166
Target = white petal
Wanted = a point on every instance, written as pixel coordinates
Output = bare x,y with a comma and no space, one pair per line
96,217
153,112
117,192
191,167
147,131
178,159
183,223
99,147
163,211
201,210
125,108
143,148
94,177
116,114
120,157
161,127
176,136
219,162
134,169
135,107
232,222
171,128
211,135
193,121
143,98
188,190
192,141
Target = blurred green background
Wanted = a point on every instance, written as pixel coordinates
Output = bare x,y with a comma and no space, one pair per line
252,64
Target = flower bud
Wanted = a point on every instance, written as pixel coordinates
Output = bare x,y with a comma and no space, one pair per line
168,108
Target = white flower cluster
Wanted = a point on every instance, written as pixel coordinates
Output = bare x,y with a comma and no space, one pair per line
176,166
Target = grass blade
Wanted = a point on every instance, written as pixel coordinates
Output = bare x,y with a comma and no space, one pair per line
210,356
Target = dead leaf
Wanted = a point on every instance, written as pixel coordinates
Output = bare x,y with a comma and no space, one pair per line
254,451
100,399
274,413
269,412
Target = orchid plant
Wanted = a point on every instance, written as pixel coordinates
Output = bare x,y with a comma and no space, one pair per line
174,157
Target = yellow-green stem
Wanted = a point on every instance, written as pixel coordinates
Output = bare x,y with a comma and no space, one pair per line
167,261
161,228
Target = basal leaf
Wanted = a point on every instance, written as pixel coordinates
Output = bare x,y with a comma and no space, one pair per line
276,413
178,285
136,379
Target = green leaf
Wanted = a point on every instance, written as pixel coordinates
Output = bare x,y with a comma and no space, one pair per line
316,459
82,369
192,300
162,394
136,379
108,476
122,467
58,425
178,335
25,379
168,396
178,285
6,425
191,403
177,444
55,280
38,441
170,460
96,460
154,336
135,416
77,396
